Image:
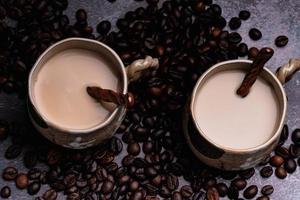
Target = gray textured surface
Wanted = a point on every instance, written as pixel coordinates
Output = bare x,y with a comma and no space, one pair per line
272,17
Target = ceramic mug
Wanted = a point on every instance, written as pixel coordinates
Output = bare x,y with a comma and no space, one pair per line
229,159
79,139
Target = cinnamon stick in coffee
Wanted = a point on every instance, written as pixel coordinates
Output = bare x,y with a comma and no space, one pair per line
106,95
256,68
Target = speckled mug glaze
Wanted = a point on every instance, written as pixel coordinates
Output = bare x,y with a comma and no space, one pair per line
228,159
80,139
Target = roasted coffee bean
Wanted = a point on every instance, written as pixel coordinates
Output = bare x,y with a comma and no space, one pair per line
81,15
156,180
266,171
133,148
176,196
172,182
13,151
263,198
244,14
5,192
276,161
294,151
280,172
239,183
30,159
9,173
284,133
107,187
212,194
233,193
253,52
235,23
33,188
255,34
150,171
242,49
290,165
296,136
267,190
70,180
216,9
3,125
165,192
281,41
246,174
250,192
222,189
50,195
107,158
53,157
103,27
133,186
34,174
116,145
148,147
186,191
234,38
282,152
22,181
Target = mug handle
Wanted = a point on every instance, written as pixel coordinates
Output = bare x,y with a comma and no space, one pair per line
286,72
137,69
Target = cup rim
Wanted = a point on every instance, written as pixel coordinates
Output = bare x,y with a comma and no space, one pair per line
246,150
61,128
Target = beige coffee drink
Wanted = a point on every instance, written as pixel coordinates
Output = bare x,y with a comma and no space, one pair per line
60,88
233,122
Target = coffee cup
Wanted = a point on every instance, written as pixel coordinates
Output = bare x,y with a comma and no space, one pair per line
227,131
58,105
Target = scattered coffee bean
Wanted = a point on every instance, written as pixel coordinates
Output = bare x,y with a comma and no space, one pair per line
263,198
244,14
233,193
290,165
255,34
212,194
22,181
276,161
253,52
133,148
5,192
294,151
33,188
267,190
103,27
107,187
50,195
186,191
239,183
13,151
246,174
281,41
9,173
296,136
266,171
222,189
250,192
242,49
235,23
282,152
280,172
176,196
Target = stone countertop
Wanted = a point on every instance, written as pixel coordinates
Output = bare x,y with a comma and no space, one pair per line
273,18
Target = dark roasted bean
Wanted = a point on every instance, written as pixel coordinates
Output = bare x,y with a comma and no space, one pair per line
116,145
263,198
267,190
33,188
13,151
294,151
296,136
172,182
234,38
234,23
222,189
281,41
266,172
239,183
244,14
250,192
186,191
255,34
212,194
290,165
233,193
107,187
242,49
282,151
9,173
280,172
176,196
133,148
5,192
253,52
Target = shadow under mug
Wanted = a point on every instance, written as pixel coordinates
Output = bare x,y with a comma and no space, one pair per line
80,139
229,159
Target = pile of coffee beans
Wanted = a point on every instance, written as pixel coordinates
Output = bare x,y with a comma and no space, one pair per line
187,37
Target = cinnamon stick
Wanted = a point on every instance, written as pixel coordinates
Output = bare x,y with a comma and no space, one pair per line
256,68
106,95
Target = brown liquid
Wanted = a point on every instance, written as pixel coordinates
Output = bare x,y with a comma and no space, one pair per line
231,121
60,89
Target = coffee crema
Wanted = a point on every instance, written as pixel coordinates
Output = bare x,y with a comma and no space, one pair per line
60,88
233,122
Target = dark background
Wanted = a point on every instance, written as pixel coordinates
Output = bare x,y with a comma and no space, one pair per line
272,17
